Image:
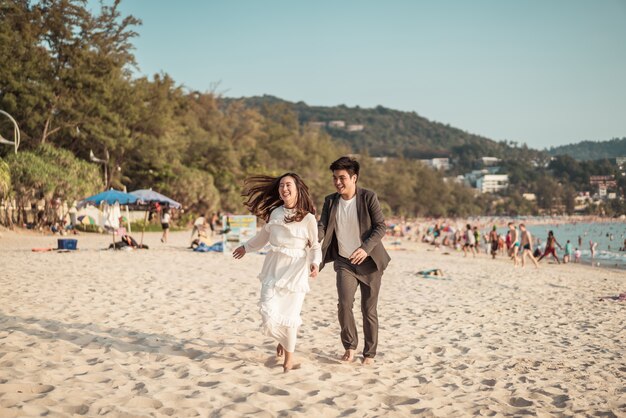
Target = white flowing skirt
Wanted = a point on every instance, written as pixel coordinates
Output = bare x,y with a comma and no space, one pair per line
284,284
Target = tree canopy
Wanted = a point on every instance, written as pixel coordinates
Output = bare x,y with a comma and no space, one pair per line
67,78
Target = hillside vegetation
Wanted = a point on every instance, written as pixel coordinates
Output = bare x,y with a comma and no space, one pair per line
67,78
592,150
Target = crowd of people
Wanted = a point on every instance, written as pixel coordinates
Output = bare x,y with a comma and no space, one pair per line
516,243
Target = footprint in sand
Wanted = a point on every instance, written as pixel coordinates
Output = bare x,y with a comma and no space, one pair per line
440,351
400,400
25,388
208,384
520,402
489,382
81,409
273,391
143,402
152,374
560,401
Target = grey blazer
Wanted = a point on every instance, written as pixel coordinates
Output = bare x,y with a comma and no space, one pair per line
371,226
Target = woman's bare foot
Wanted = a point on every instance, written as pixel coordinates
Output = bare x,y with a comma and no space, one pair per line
367,361
288,363
348,355
279,350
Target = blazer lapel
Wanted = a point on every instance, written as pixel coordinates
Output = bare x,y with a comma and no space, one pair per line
361,210
332,217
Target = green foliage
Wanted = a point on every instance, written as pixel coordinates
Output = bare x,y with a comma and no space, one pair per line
5,178
66,78
409,188
592,150
394,133
51,172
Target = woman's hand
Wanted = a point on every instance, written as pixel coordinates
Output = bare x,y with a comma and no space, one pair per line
239,252
314,270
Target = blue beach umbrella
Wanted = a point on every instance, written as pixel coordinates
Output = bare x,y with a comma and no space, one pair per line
110,197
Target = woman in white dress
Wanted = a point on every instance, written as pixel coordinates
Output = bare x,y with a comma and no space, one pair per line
294,255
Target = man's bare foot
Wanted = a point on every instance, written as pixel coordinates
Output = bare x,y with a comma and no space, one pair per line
368,361
348,355
280,351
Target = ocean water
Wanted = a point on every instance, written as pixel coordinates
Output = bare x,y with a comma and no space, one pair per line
609,236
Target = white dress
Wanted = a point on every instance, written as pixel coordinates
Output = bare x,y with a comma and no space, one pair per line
285,273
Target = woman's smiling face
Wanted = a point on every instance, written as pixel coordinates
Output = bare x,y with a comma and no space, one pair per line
288,191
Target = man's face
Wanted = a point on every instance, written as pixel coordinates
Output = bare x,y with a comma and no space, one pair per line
344,183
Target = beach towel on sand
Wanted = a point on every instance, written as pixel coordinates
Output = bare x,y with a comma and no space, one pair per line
432,274
218,247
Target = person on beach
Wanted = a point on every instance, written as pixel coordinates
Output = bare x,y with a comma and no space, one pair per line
470,241
493,240
577,255
165,224
200,226
291,230
285,205
568,252
592,249
551,244
352,227
502,244
526,243
514,249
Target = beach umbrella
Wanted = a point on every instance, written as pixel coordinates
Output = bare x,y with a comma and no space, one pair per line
148,196
110,197
86,220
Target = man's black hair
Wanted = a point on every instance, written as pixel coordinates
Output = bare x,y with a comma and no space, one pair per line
351,165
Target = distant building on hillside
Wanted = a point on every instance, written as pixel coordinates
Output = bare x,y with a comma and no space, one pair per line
380,159
488,161
621,161
317,124
530,196
442,164
493,183
603,182
355,128
337,124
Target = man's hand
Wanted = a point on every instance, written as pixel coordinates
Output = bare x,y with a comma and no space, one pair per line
239,252
314,269
358,256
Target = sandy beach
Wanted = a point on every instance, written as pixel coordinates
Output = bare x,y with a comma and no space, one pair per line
170,332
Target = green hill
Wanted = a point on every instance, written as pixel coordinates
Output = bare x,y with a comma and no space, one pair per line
384,132
591,150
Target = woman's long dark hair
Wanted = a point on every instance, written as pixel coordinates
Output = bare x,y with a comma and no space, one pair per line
263,197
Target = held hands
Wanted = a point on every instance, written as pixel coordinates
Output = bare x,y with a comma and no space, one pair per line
239,252
314,270
358,256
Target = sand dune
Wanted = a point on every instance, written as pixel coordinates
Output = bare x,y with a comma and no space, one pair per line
170,332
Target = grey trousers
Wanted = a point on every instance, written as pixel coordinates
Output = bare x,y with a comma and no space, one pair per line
368,279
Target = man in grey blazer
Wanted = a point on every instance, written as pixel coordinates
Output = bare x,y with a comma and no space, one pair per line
352,227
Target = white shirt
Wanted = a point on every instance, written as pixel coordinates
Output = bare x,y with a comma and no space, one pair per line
347,230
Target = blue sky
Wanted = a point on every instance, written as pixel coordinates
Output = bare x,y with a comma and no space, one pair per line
543,73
